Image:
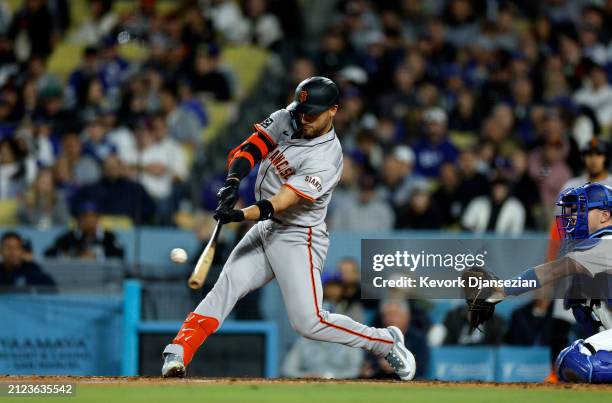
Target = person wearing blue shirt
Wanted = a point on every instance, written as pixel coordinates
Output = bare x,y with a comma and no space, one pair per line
434,149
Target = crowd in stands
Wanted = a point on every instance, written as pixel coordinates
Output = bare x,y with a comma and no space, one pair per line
454,114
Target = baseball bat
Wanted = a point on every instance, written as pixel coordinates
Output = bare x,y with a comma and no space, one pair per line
200,271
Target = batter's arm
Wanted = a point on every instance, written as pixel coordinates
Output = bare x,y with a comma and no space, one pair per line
281,201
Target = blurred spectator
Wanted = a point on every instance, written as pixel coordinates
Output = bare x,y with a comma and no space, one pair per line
347,187
531,324
206,75
525,188
458,332
473,182
397,313
184,122
434,148
596,93
402,98
95,142
43,205
546,163
448,196
17,272
157,164
31,31
115,70
596,158
348,269
367,203
88,70
420,212
88,240
260,27
17,169
464,117
5,16
115,194
100,23
75,168
398,175
500,212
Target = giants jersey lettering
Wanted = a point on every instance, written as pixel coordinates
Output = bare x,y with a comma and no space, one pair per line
309,167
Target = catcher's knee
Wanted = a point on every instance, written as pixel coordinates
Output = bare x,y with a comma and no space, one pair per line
581,363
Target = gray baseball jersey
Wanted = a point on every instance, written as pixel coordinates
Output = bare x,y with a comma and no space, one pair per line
292,247
595,255
310,167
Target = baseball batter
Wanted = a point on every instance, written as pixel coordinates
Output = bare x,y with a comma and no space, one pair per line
301,164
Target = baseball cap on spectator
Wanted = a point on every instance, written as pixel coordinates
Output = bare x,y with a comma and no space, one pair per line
354,74
50,91
404,154
595,146
333,278
434,115
88,206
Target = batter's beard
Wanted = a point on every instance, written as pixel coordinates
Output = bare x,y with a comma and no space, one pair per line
316,133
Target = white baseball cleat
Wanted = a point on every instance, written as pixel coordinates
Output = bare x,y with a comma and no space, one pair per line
400,358
173,366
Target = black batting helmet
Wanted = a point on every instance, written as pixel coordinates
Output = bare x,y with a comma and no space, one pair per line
314,95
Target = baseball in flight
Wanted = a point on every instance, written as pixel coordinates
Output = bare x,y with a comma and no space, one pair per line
178,255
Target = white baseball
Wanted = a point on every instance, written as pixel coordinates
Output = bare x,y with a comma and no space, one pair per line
178,255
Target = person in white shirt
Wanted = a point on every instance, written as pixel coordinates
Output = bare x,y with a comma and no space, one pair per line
499,212
596,93
151,165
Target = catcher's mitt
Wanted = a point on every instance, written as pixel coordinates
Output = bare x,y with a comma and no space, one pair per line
480,306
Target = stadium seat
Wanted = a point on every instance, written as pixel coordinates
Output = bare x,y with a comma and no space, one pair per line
82,275
218,114
115,222
64,59
8,212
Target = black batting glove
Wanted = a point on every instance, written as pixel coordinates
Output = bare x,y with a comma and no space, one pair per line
226,215
228,194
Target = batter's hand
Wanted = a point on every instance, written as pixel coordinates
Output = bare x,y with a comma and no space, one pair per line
225,215
228,194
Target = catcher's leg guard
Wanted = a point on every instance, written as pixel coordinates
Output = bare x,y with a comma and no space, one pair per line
581,363
194,331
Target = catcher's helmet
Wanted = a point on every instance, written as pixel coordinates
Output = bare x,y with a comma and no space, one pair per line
573,222
314,95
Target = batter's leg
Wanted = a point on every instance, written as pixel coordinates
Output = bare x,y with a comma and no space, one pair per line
296,256
245,270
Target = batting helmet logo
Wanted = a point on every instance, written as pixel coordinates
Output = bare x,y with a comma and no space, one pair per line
303,96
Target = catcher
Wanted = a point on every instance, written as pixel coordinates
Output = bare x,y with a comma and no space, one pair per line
585,221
